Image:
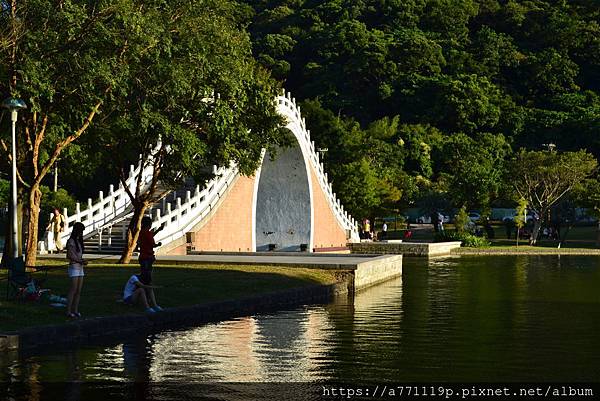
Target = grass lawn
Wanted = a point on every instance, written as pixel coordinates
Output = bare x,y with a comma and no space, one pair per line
527,250
181,286
578,237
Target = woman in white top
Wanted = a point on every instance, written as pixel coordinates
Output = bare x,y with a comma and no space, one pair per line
75,250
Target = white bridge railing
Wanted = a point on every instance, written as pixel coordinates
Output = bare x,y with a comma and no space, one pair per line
286,106
115,207
190,210
193,208
108,207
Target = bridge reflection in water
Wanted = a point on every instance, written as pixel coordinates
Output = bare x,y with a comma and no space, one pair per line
464,319
290,346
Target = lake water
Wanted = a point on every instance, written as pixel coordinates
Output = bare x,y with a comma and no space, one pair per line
497,319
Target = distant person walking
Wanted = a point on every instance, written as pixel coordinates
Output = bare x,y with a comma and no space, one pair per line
556,226
489,230
440,219
384,228
75,249
146,245
435,221
57,226
367,229
508,226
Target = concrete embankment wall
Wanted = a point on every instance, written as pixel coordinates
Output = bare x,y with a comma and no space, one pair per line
351,275
117,327
376,271
405,248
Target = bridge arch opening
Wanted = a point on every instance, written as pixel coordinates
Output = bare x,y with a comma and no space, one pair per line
283,208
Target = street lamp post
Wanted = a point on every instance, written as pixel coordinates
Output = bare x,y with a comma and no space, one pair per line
14,105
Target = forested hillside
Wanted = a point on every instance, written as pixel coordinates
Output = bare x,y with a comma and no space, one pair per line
421,103
426,100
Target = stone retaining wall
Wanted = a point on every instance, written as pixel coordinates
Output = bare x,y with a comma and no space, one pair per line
350,278
91,329
405,248
376,271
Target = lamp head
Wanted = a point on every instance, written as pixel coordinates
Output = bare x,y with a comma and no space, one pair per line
13,104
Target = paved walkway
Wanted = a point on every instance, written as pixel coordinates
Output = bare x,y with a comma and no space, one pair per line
315,261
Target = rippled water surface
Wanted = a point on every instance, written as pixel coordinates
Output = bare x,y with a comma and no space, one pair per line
456,319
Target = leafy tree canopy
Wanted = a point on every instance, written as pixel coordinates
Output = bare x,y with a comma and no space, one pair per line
542,178
465,81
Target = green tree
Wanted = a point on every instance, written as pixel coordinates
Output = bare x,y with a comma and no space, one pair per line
421,143
520,216
524,71
461,66
67,60
365,165
60,199
542,178
474,168
461,220
588,195
360,188
4,192
195,98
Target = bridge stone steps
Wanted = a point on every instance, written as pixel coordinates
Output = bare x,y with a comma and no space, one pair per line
115,241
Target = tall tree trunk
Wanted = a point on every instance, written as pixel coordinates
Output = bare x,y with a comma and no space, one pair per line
133,231
34,193
537,224
35,199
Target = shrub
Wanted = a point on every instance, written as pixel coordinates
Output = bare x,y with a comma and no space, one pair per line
4,192
4,196
467,240
461,220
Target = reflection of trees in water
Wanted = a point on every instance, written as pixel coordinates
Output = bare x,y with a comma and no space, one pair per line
513,318
55,376
28,382
485,318
360,343
560,317
461,313
283,347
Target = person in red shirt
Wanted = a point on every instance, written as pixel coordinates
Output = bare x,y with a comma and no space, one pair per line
146,246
